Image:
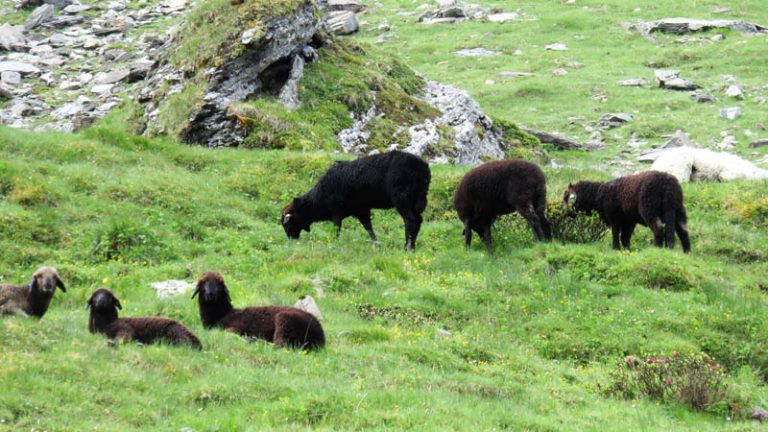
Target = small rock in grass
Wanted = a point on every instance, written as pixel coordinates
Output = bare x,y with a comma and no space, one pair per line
730,113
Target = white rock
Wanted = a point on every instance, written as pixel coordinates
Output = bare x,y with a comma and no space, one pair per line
102,88
503,17
734,91
476,52
24,69
12,38
308,304
730,113
559,72
556,47
12,78
171,288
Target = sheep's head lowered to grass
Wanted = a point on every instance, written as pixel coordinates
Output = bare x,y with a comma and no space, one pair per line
292,219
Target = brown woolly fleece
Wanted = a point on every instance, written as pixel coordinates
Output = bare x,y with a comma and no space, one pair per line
33,298
103,319
498,188
651,198
285,326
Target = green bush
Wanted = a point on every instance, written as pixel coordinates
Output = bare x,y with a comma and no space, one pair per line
572,227
696,381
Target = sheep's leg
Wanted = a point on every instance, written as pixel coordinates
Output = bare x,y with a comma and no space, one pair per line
486,234
412,222
467,234
546,225
657,227
365,219
669,228
615,231
682,232
337,222
14,310
533,221
626,234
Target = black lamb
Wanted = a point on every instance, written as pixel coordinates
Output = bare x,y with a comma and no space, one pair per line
393,179
282,325
501,187
103,319
651,198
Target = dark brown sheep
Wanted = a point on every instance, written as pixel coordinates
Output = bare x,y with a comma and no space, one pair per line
146,330
393,179
501,187
285,326
651,198
33,298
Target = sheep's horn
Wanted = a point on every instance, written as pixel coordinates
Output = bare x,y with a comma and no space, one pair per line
196,291
286,218
87,304
31,286
117,303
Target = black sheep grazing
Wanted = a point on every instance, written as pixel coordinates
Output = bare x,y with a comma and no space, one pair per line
501,187
285,326
103,319
392,179
33,298
651,198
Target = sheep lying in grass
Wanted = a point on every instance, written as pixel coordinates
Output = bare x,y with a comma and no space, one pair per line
501,187
103,319
285,326
651,198
393,179
33,298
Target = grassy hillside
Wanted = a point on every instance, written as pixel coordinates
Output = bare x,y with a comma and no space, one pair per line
438,339
600,53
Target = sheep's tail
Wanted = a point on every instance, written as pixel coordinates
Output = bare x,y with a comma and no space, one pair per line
674,214
681,227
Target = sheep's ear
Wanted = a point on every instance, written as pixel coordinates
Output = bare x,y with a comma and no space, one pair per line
88,303
60,284
196,291
32,285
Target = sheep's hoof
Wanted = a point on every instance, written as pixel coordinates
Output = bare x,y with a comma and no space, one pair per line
112,343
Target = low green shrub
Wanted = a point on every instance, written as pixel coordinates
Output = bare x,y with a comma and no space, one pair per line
696,381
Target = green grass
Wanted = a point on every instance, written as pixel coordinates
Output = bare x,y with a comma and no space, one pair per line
535,329
608,53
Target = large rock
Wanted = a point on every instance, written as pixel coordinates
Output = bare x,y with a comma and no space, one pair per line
40,15
475,139
670,80
24,69
260,64
342,22
694,164
12,38
345,5
688,25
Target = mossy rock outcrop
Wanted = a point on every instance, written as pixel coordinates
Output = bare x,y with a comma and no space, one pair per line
265,74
